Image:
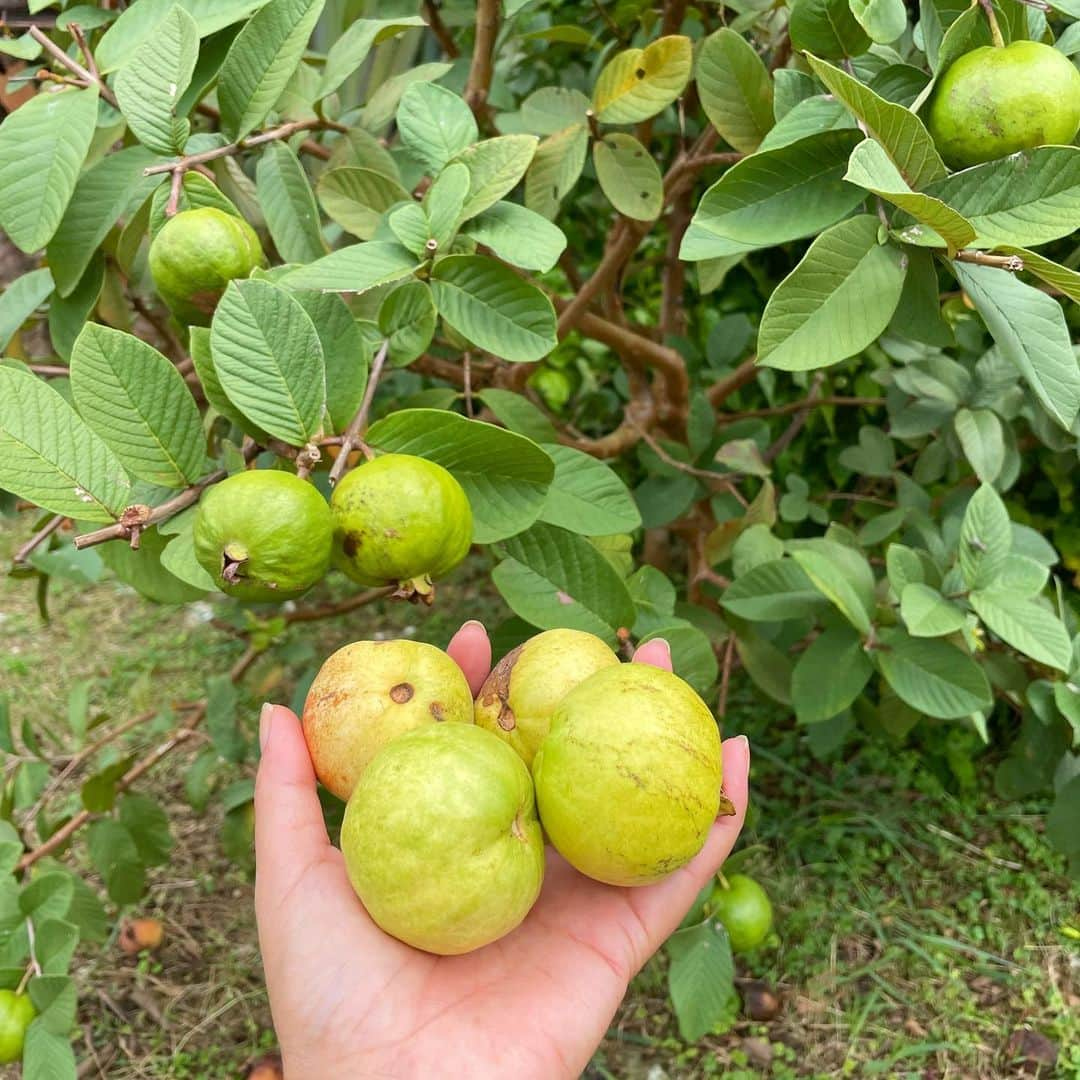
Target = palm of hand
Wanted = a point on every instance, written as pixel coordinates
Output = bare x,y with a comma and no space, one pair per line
350,1001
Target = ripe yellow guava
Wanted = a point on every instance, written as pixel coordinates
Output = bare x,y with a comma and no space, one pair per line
16,1012
441,839
743,906
196,254
628,778
263,535
523,689
370,692
995,101
400,519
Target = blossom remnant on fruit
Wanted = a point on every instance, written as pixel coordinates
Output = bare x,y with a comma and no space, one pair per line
16,1012
993,102
523,689
400,519
263,535
370,692
196,254
441,839
628,779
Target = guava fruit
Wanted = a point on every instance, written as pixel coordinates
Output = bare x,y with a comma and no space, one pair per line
995,101
441,839
16,1012
743,906
370,692
523,689
196,254
263,535
400,519
628,778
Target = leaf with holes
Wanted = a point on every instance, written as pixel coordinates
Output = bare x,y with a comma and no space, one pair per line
555,169
629,176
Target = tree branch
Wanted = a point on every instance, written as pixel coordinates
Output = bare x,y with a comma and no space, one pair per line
483,58
796,424
438,28
745,373
87,78
39,537
982,258
342,607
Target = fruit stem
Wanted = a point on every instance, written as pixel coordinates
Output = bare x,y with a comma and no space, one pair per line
991,18
724,883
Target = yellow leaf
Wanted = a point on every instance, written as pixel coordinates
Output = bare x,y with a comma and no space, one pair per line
639,83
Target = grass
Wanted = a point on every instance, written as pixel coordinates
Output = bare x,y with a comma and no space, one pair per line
919,925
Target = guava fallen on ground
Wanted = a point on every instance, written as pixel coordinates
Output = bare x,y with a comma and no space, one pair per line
992,102
441,839
370,692
400,519
16,1012
743,906
523,689
196,254
628,778
263,535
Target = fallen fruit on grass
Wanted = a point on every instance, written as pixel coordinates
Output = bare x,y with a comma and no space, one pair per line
141,935
441,839
370,692
263,535
16,1012
196,254
267,1067
402,520
628,779
760,1001
523,689
743,906
994,101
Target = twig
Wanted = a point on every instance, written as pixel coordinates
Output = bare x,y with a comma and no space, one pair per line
745,373
725,480
796,424
50,370
351,439
438,28
175,186
483,59
991,18
342,607
982,258
88,78
39,537
76,32
725,675
795,406
466,373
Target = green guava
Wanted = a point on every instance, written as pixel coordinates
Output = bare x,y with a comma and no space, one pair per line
628,778
263,535
400,519
196,254
16,1012
523,689
743,906
370,692
441,839
995,101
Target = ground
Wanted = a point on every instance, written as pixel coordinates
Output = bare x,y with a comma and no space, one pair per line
923,931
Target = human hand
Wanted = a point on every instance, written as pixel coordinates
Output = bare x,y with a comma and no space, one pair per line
350,1001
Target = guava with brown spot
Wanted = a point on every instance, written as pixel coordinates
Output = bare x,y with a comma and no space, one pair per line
628,778
400,519
441,839
370,692
524,688
263,535
195,255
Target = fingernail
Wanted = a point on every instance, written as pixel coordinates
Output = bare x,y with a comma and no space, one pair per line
472,622
266,717
665,643
746,745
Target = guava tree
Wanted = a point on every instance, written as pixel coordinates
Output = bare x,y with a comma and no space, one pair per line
745,325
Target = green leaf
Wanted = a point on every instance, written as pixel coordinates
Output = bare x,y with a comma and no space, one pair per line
735,89
518,236
145,571
55,944
48,896
822,112
516,412
98,792
116,857
407,319
435,124
842,575
1026,625
140,405
203,360
983,441
288,204
221,718
179,558
883,20
553,108
639,83
505,476
354,269
269,360
383,103
151,83
1065,280
985,538
587,496
56,996
551,578
775,196
495,168
628,176
932,676
1061,821
770,669
874,456
359,147
870,168
492,307
148,824
49,456
826,27
352,48
22,297
444,202
409,223
692,655
42,147
47,1055
555,169
701,978
836,302
357,198
927,613
1030,330
68,314
260,62
829,675
346,355
772,591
